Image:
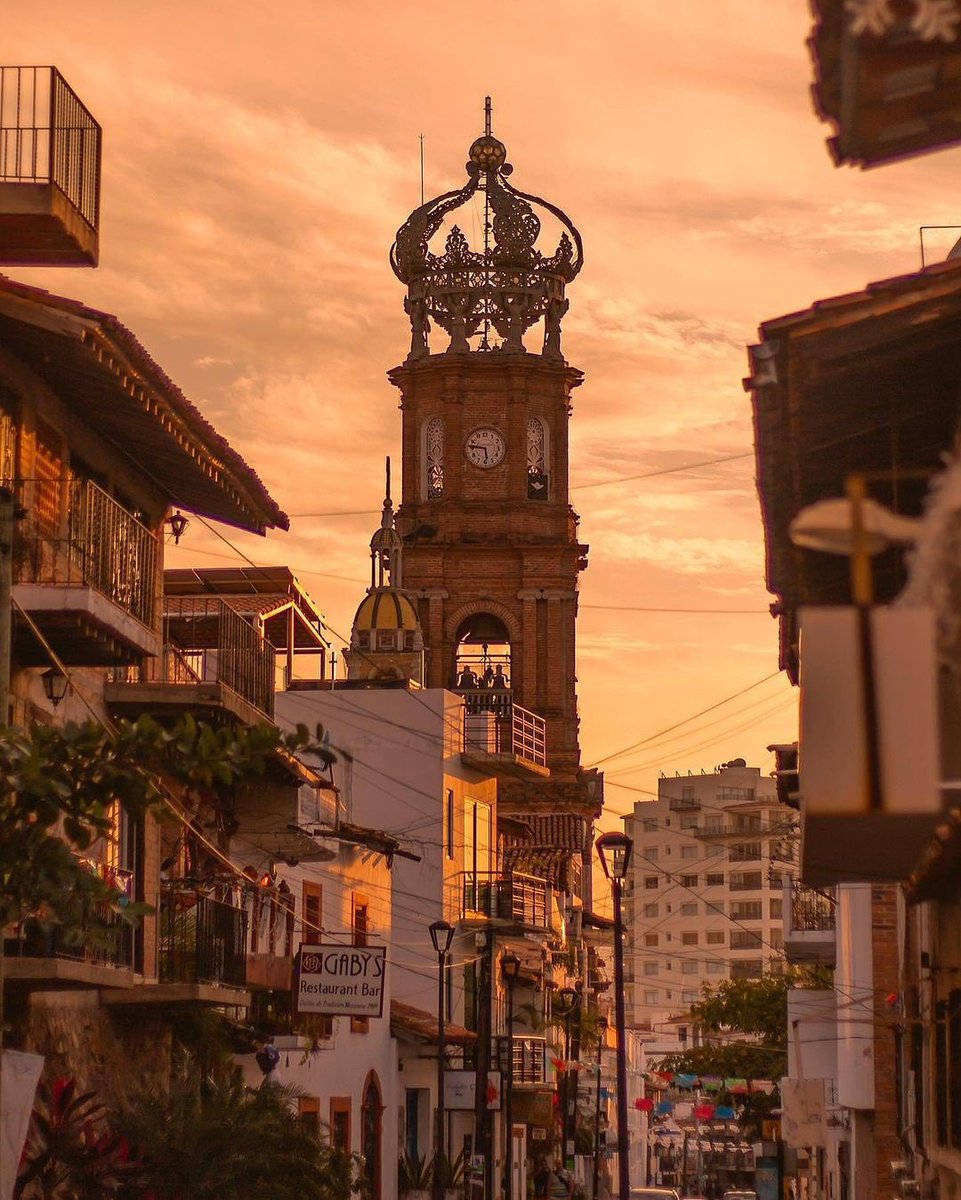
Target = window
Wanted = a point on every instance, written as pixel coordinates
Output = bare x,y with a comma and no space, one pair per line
689,852
308,1113
312,912
689,881
8,437
776,939
776,909
746,852
728,794
689,910
689,822
745,939
714,879
747,968
747,910
716,968
650,882
689,939
650,853
649,825
650,939
360,928
714,937
690,967
538,477
434,458
713,824
689,997
650,996
650,910
650,968
745,881
450,822
685,802
340,1123
48,471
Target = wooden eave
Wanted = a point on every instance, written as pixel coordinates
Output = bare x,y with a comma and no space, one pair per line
867,382
414,1024
97,368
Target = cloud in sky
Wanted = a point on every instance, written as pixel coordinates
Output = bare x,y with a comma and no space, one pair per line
257,165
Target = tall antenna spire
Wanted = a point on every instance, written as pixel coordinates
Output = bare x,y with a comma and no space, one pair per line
422,168
485,343
487,115
387,490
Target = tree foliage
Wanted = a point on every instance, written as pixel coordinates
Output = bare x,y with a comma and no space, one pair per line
58,786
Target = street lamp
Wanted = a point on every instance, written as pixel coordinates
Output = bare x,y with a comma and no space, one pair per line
510,969
570,1000
601,1030
55,685
441,934
614,850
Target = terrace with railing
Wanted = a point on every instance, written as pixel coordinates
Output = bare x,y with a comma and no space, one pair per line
523,899
496,727
212,656
201,941
50,149
809,923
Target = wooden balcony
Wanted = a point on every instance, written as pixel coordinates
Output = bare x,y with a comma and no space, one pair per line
509,899
501,734
530,1059
214,663
87,580
49,172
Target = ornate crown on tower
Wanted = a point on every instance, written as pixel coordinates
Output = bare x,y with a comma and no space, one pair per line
494,292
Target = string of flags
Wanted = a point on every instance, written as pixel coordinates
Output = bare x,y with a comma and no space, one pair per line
714,1083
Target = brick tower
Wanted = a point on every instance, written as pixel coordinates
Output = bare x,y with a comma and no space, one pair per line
491,551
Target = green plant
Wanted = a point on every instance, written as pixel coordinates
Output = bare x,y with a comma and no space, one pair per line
415,1173
454,1171
71,1152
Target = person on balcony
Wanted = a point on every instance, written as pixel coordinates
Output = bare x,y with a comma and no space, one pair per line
498,678
467,681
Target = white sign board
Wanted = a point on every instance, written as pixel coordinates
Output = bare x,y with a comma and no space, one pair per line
460,1091
341,981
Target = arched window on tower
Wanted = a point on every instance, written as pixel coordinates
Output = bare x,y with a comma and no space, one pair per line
433,458
482,667
538,478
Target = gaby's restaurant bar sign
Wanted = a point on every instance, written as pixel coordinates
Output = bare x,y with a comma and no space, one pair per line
341,981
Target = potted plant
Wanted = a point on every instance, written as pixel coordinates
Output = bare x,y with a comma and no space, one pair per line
415,1174
455,1175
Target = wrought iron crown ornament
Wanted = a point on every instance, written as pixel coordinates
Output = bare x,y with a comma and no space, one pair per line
499,290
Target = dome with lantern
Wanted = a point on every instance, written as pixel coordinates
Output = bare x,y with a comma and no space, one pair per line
496,291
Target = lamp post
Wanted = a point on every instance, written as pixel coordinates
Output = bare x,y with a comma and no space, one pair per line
510,968
614,850
441,934
601,1030
570,998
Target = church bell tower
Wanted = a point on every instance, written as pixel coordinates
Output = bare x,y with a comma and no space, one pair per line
491,552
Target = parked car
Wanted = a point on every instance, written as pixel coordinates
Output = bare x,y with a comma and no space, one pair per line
740,1194
654,1193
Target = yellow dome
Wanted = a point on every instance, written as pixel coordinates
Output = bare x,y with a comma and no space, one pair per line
386,608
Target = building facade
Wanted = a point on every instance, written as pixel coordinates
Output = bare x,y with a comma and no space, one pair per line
705,894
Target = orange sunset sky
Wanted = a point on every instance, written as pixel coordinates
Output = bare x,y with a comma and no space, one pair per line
258,160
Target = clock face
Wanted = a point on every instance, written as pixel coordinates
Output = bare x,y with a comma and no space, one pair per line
485,447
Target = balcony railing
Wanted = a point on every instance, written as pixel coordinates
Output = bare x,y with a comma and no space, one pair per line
530,1058
812,911
202,941
99,545
515,897
215,645
48,136
496,725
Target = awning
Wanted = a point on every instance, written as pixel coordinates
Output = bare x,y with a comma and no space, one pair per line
106,378
409,1023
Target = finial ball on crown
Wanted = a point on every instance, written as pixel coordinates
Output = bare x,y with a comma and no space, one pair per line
487,153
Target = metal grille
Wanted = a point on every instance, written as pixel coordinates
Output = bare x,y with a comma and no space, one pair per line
811,910
202,941
434,439
48,136
530,1059
515,897
102,546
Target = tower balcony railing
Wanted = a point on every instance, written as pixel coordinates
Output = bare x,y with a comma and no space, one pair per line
496,725
524,899
809,924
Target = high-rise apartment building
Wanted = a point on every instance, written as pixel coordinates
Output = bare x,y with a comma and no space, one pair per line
704,897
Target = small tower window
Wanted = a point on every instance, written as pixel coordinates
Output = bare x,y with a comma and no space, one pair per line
434,458
538,482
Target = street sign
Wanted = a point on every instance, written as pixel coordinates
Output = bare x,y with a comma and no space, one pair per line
341,981
460,1091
